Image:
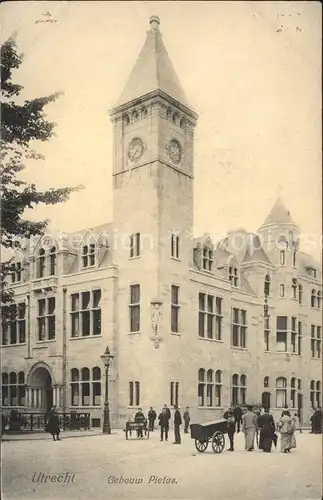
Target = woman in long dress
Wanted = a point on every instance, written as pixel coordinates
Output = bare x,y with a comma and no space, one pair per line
286,427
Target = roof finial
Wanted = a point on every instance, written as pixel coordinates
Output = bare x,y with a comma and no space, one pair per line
154,22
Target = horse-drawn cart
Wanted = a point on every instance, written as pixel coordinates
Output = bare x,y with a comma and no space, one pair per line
209,431
135,427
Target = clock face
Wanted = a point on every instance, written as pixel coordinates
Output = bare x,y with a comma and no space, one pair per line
175,151
136,149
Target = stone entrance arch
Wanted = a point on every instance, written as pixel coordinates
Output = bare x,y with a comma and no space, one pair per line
265,399
40,389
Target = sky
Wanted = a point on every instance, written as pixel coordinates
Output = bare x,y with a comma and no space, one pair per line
251,70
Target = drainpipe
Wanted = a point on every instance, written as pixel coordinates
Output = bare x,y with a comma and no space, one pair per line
64,351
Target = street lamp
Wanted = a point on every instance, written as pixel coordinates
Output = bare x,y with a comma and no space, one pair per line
107,359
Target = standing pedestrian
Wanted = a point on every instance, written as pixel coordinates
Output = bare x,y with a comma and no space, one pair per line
53,424
267,430
164,424
297,423
286,427
237,412
187,419
177,424
249,427
152,415
231,426
140,420
168,411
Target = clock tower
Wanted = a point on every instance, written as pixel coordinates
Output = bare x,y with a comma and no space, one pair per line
153,173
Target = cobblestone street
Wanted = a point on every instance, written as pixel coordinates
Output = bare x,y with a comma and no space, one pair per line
162,470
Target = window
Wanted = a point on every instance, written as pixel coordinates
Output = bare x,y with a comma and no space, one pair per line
174,391
281,333
239,328
88,255
312,272
315,393
134,309
300,333
52,261
239,389
201,387
282,290
294,288
174,246
134,247
267,334
294,258
13,389
175,308
207,262
281,392
234,276
293,392
282,257
294,336
315,341
319,300
313,298
134,393
40,264
300,294
266,382
86,313
267,286
86,387
16,272
209,393
210,316
14,324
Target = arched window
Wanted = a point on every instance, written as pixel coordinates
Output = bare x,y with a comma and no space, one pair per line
319,301
13,389
281,392
235,389
218,387
300,294
318,393
209,388
267,285
313,298
243,389
96,386
5,389
201,387
299,384
40,263
282,257
52,261
294,288
293,392
315,393
266,382
75,387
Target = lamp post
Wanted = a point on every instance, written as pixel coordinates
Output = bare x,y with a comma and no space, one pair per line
107,359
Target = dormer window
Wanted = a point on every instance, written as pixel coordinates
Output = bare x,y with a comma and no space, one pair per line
52,261
234,276
312,272
208,259
282,257
40,271
267,286
16,272
294,258
88,255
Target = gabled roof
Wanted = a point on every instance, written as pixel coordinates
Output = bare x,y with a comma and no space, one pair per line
255,252
278,214
153,70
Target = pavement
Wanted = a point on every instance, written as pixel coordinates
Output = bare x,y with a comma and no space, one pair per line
111,467
31,436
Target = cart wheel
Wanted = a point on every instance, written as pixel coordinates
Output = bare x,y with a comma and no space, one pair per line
218,442
201,445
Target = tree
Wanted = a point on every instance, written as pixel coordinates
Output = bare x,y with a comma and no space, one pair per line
21,124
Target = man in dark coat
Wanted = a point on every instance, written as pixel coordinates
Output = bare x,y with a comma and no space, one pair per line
231,426
140,419
164,424
53,424
187,419
168,411
237,412
152,415
267,430
177,423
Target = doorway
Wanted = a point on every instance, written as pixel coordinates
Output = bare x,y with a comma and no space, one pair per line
265,400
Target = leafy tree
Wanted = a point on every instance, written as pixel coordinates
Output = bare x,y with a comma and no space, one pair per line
21,125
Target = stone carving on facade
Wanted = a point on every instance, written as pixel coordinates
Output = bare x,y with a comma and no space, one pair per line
156,315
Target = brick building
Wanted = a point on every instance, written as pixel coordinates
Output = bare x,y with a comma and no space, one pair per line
192,321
